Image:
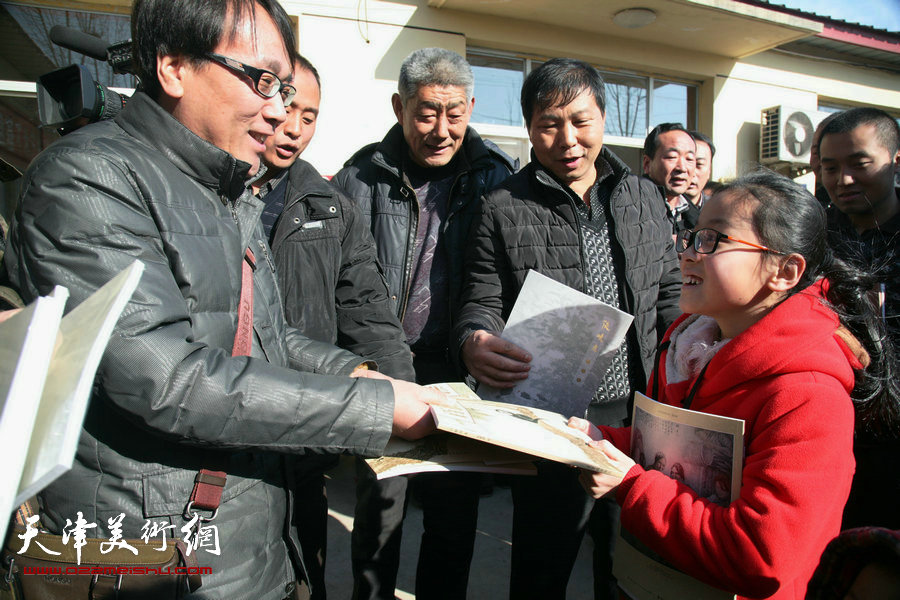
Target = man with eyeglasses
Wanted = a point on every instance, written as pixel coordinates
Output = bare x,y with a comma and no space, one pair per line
166,183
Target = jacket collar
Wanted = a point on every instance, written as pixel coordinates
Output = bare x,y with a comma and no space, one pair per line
619,170
145,120
305,181
839,220
389,153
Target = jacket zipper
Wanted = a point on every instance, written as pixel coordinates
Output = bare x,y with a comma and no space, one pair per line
265,250
406,283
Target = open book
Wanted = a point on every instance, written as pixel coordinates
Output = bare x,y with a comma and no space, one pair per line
46,375
705,452
524,432
448,452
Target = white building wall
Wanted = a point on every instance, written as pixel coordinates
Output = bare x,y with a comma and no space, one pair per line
358,48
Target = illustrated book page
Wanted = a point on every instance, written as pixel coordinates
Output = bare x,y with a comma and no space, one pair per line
703,451
537,432
448,452
571,337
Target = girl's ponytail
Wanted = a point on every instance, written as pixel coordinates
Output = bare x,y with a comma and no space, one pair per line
790,219
852,295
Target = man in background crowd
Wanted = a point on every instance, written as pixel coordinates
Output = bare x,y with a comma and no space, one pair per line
706,150
669,160
859,151
815,164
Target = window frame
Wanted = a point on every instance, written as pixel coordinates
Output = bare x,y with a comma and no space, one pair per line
529,60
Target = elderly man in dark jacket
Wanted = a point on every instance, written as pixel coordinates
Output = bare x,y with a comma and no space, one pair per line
165,183
332,285
577,215
419,189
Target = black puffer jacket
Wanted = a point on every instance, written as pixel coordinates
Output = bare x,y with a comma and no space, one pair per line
530,222
333,287
373,178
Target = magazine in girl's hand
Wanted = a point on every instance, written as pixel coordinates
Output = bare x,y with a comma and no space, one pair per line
703,451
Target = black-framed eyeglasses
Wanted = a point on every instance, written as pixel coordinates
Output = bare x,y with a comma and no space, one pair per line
266,83
706,240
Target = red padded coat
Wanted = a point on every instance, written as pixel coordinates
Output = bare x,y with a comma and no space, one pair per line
788,376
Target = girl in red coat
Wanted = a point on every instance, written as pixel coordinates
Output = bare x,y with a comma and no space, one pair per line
762,341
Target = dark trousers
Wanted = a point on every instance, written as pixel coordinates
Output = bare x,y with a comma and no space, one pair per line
311,516
602,527
449,518
550,513
450,515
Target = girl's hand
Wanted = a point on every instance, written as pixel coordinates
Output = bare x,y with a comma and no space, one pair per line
600,484
585,427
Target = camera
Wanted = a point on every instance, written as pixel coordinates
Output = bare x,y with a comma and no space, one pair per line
70,97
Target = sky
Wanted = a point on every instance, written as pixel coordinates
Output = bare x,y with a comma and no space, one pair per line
883,14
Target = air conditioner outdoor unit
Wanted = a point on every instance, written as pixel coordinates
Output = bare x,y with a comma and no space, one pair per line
786,134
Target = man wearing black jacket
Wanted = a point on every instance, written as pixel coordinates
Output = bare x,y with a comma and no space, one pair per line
419,190
331,284
670,161
577,215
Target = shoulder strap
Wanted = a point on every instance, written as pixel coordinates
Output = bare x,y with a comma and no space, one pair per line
243,338
208,485
690,397
655,375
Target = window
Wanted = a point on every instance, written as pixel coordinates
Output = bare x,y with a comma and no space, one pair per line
634,104
673,103
498,81
626,105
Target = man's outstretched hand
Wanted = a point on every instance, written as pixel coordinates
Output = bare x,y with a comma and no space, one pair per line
412,414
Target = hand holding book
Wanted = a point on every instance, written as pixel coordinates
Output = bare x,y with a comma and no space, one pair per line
598,484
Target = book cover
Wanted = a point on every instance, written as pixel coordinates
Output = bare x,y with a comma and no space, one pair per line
703,451
572,338
48,368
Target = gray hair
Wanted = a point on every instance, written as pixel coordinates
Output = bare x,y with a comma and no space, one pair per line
434,66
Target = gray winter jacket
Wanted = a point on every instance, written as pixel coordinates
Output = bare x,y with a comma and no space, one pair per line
168,398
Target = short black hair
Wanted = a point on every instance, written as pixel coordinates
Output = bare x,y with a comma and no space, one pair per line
305,65
651,142
193,28
559,81
886,129
702,137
